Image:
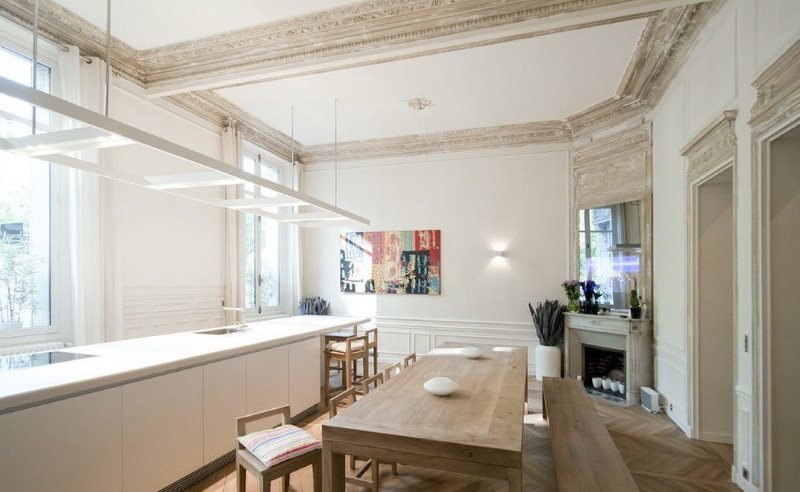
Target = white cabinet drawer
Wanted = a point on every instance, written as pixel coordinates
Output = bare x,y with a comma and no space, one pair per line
162,429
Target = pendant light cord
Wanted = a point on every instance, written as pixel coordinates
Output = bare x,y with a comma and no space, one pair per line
335,156
34,71
293,163
108,56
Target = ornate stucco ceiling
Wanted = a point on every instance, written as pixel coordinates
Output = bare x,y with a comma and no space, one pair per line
498,72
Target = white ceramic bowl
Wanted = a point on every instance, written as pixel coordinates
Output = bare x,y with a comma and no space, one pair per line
606,384
471,352
440,386
597,383
614,386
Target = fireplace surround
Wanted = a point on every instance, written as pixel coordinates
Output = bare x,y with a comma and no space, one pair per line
611,342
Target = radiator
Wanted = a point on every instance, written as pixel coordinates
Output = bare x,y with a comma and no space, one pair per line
649,398
30,348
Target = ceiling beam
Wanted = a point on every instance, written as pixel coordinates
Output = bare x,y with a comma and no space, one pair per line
208,63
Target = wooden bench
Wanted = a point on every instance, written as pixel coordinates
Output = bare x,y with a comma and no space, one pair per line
586,458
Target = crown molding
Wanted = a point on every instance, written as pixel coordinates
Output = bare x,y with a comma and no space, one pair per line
213,107
661,51
450,141
342,31
680,30
60,25
606,114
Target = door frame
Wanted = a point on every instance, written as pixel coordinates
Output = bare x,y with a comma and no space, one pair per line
776,111
711,152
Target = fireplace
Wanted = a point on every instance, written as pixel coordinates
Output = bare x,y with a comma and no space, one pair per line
604,363
611,347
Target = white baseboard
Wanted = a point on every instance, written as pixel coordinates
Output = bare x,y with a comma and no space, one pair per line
399,337
680,422
723,437
745,485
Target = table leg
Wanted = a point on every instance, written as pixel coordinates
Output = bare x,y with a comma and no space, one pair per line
514,480
544,406
332,470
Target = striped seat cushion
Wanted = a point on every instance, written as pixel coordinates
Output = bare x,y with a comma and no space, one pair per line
273,446
356,346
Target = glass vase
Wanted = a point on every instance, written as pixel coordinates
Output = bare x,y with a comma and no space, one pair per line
573,305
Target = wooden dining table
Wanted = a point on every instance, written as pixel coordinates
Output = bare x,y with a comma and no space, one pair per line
477,430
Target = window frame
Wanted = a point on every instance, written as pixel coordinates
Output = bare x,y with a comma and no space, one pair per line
19,41
264,157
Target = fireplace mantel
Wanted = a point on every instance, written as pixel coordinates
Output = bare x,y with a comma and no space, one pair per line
634,336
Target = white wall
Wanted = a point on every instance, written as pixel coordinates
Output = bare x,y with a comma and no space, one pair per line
166,253
514,200
739,42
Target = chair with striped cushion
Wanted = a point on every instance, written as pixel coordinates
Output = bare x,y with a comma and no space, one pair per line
273,453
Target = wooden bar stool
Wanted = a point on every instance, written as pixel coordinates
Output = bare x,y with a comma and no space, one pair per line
347,352
275,453
372,346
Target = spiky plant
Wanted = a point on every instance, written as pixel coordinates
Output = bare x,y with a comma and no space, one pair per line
548,317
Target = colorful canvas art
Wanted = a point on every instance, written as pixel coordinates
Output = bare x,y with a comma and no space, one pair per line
391,262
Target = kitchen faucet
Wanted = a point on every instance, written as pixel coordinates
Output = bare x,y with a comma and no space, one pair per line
243,325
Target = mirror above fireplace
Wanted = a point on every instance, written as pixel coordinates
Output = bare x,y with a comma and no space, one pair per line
610,251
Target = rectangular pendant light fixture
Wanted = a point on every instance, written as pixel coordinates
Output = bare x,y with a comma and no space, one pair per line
104,132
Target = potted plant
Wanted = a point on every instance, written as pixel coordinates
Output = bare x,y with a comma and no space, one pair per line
17,281
548,318
313,306
572,289
636,307
591,295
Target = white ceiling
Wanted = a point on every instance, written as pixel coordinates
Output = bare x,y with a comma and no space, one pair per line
150,23
541,78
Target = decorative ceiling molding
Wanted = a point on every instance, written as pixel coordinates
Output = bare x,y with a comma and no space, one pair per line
60,25
777,89
342,31
715,144
450,141
606,114
212,107
661,51
686,28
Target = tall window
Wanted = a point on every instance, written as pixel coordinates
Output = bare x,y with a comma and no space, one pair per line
262,244
25,191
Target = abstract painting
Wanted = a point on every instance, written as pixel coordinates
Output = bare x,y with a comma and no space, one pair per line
391,262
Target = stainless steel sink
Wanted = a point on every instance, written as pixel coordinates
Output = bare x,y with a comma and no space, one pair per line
228,330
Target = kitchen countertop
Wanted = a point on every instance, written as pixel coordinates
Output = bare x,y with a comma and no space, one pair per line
126,361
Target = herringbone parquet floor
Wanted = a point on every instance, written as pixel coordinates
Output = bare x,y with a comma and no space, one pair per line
660,456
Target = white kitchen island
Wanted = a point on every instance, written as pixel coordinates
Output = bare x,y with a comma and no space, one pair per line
142,413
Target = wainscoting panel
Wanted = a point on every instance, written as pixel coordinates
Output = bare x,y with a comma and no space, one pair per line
743,439
671,380
156,311
401,336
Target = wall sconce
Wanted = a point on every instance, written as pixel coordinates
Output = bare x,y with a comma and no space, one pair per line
499,253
